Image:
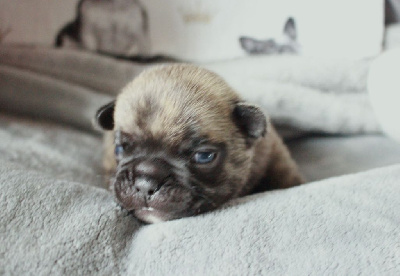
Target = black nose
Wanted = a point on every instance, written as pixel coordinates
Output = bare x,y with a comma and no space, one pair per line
150,176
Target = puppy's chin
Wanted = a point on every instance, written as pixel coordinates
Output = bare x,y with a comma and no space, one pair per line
151,215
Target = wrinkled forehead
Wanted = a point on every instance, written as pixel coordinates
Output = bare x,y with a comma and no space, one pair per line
172,118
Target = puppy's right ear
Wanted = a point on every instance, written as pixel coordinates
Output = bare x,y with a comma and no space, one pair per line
105,116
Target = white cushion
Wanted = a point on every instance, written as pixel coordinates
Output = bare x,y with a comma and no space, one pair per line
384,91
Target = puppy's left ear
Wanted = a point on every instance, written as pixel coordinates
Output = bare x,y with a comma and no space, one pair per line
251,120
105,116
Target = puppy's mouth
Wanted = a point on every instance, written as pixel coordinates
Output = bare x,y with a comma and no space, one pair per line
150,215
172,201
168,212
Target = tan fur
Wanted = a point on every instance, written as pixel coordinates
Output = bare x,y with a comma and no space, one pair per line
171,98
109,163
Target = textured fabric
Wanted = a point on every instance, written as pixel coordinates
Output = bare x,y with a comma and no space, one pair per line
383,88
323,95
320,157
319,95
57,219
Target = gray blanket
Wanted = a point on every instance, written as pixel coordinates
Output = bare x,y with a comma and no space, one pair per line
57,219
299,93
320,95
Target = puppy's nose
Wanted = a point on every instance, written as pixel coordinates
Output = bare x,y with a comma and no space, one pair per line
150,176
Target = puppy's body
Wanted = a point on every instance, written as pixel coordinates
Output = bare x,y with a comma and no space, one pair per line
181,116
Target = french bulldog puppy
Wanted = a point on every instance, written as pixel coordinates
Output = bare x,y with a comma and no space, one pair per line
181,142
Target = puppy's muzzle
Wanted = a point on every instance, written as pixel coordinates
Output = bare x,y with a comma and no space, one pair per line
150,176
141,181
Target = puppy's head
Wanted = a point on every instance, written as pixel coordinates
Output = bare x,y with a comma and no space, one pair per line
183,142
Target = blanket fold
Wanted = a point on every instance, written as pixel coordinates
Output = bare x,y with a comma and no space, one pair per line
305,94
31,94
58,218
50,226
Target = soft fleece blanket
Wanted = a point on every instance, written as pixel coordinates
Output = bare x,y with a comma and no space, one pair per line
299,93
57,219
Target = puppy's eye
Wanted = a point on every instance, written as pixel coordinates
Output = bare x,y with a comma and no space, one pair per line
119,150
204,157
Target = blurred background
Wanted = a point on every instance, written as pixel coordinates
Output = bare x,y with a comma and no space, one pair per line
203,30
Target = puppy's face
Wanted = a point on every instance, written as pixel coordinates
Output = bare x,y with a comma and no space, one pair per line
183,142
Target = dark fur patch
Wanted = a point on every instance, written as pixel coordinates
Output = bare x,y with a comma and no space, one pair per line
250,119
146,112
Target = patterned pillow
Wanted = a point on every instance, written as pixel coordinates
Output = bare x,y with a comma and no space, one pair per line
199,30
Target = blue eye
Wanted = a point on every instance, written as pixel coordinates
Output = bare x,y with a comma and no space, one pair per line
119,150
204,157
